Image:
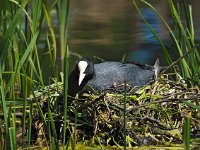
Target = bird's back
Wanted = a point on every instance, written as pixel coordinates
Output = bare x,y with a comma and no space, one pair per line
109,73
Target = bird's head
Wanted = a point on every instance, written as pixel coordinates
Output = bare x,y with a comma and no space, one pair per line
85,70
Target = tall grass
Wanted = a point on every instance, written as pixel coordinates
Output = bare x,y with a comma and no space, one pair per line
21,64
124,113
63,12
183,39
183,36
186,132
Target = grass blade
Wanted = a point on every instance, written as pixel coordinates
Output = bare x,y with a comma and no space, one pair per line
12,141
124,112
186,132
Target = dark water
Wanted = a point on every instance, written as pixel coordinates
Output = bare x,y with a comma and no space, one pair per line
110,29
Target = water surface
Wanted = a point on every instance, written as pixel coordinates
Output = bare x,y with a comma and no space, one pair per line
111,29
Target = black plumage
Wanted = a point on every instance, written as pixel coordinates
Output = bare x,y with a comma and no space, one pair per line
104,75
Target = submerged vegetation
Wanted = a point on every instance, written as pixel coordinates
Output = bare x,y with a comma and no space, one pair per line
164,112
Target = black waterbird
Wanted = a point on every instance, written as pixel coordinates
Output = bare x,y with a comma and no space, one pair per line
104,75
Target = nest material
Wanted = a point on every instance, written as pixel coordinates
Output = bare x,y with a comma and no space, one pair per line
154,114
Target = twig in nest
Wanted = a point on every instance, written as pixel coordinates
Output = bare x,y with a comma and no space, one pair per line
161,101
93,102
155,121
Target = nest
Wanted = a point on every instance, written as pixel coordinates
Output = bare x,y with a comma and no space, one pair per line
150,115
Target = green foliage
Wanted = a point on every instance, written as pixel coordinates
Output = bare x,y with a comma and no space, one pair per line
124,113
185,42
22,63
182,35
187,124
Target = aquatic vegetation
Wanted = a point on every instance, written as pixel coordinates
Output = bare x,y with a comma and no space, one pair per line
151,115
23,60
183,39
31,113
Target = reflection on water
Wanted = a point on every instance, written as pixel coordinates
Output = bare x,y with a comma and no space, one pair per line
149,48
113,30
109,30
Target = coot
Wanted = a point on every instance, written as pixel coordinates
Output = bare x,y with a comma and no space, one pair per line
104,75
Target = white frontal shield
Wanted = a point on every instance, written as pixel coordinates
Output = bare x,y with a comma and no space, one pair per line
82,65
